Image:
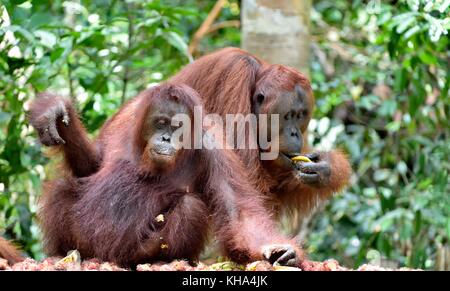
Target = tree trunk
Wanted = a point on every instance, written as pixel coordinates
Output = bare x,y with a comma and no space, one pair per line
277,31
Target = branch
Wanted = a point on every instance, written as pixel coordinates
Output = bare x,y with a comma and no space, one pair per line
224,24
205,26
322,58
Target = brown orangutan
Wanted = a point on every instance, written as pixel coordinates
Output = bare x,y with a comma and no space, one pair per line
233,81
145,199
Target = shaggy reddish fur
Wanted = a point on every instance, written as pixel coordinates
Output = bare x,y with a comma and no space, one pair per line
226,80
9,252
110,213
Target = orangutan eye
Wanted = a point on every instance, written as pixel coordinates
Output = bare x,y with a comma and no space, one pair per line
161,123
302,114
260,98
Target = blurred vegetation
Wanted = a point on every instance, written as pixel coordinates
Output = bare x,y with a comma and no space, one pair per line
380,73
380,76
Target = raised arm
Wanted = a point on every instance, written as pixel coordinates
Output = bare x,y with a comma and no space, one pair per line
244,228
58,125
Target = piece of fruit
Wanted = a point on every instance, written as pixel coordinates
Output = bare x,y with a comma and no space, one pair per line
226,266
73,257
159,218
301,159
259,266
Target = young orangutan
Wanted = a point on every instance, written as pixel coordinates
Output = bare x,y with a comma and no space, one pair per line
146,199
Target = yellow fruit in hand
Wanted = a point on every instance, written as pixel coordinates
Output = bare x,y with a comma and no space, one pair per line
301,159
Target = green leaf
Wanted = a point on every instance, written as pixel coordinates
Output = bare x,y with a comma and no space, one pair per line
4,118
406,231
402,167
177,41
393,43
39,19
56,54
412,31
445,4
405,24
46,38
388,107
393,126
401,79
427,58
381,174
386,222
19,31
418,222
373,256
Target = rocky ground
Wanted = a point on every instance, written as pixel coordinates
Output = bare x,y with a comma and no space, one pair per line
73,263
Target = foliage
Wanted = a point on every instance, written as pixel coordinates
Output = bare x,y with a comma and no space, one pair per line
387,88
380,76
